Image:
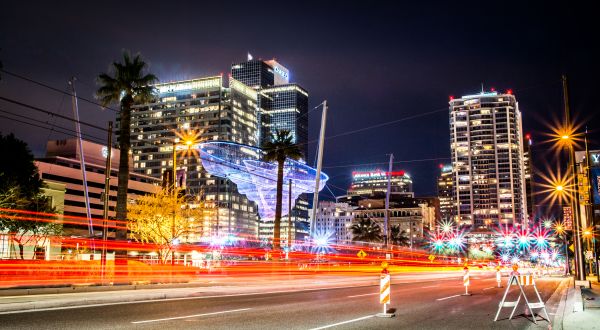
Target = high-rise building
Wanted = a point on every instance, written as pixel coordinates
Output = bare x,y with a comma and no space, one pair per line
371,184
282,105
254,73
206,107
486,141
529,178
286,107
444,190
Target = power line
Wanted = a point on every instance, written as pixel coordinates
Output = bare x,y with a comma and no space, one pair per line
39,126
51,113
51,125
56,89
383,124
383,163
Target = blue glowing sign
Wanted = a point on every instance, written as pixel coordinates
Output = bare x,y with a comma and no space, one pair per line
280,72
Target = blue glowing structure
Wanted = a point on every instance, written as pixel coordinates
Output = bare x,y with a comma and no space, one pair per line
255,178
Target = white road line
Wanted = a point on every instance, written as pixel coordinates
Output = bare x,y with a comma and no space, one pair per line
344,322
456,295
491,287
158,300
362,295
430,286
190,316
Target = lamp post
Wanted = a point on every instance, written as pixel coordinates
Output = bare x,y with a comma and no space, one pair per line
174,176
567,139
188,143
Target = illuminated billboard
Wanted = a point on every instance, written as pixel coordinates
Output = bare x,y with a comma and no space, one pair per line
595,174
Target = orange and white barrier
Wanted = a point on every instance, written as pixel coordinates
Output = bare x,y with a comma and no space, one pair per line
466,281
384,290
498,277
526,280
519,281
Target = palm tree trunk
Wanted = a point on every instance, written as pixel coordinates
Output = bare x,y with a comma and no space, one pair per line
123,176
278,205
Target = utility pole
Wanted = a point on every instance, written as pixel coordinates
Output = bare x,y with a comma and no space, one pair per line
387,204
579,262
107,172
81,157
313,221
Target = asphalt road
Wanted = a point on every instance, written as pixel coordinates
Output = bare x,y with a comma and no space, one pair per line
424,305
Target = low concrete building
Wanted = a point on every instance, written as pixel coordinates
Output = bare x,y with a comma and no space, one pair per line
334,221
61,166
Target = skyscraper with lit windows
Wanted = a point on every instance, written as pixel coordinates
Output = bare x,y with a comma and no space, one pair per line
488,172
215,112
282,105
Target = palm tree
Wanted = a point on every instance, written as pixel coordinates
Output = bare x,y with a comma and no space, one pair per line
366,230
398,236
129,85
279,149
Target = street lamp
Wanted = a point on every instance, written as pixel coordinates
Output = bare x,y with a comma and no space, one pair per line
189,138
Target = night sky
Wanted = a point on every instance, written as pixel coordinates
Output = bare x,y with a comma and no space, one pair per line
373,62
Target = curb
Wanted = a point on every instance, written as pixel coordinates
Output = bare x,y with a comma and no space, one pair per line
577,300
565,303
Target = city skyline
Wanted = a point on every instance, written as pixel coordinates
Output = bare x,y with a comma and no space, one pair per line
299,165
351,80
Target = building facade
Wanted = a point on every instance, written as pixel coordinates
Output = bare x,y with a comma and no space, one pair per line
60,169
254,73
409,215
368,184
201,109
486,141
334,221
444,191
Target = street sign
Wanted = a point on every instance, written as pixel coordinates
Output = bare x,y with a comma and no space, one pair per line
589,255
361,254
568,217
572,248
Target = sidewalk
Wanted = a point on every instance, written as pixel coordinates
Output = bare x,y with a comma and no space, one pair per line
589,318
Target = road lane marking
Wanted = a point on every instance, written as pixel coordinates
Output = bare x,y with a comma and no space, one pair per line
430,286
190,316
362,295
454,296
165,299
491,287
344,322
